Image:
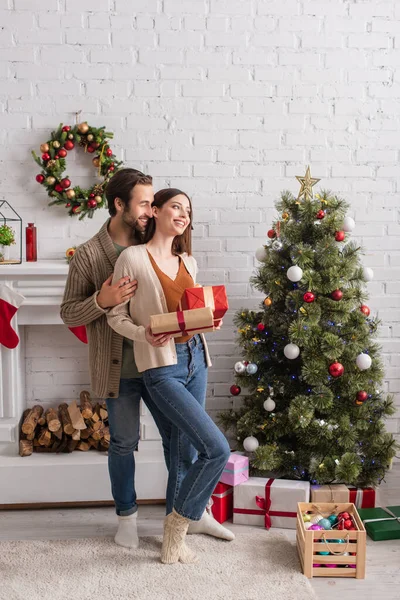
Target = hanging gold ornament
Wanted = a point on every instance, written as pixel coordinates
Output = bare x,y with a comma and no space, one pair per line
260,389
90,137
267,302
285,215
307,182
44,147
98,199
56,144
255,339
70,194
96,161
50,180
303,310
51,164
83,127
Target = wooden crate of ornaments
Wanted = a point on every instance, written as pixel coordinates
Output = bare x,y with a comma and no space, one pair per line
346,558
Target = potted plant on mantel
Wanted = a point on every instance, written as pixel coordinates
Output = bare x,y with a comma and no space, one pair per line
7,238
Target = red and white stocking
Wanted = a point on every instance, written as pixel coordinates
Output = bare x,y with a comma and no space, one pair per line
10,301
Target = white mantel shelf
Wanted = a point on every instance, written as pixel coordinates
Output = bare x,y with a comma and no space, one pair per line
75,477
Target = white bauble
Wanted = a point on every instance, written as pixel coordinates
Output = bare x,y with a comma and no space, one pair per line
291,351
261,254
307,525
348,224
315,518
368,274
269,405
250,444
294,273
363,362
251,368
240,368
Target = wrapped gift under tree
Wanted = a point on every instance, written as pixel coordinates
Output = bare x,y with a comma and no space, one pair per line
212,296
269,502
236,470
362,497
330,493
381,523
222,502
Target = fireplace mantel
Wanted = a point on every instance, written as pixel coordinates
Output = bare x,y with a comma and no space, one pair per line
42,478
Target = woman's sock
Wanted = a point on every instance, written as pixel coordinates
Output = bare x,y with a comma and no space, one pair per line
210,526
127,532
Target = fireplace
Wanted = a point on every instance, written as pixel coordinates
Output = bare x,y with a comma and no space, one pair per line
39,371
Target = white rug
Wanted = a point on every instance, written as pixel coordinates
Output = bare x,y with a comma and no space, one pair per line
256,566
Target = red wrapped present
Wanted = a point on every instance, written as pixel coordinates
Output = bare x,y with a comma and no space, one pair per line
222,502
362,497
213,296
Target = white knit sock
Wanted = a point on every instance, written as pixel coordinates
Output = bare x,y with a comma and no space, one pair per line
127,532
210,526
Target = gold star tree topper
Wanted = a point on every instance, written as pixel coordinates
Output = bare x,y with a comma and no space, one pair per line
307,182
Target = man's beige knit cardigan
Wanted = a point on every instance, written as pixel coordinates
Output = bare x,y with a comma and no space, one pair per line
92,264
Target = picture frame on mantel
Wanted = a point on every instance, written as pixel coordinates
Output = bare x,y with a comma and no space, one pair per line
10,235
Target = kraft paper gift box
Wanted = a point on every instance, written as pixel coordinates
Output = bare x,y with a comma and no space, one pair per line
381,523
222,502
269,502
337,492
183,322
236,470
213,296
362,497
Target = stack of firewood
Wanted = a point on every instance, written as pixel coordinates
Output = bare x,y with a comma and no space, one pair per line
65,429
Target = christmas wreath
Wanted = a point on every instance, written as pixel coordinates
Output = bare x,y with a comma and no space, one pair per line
53,162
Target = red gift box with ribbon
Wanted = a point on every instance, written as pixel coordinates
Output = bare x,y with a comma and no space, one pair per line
222,502
213,296
362,497
269,502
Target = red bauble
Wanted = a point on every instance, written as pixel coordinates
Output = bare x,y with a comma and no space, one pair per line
340,235
344,515
336,369
348,523
235,390
309,297
365,310
40,178
66,128
91,195
337,295
320,214
271,233
90,149
62,153
261,327
65,183
109,152
341,524
68,204
95,145
69,145
361,396
77,209
92,203
46,156
59,188
111,168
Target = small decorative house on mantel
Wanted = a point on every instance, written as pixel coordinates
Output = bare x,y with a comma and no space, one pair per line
10,235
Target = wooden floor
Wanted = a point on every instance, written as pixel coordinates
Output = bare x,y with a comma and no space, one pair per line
383,558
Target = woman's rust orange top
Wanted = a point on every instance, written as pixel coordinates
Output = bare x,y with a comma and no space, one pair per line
173,289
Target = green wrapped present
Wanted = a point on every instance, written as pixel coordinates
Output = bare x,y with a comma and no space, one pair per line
381,523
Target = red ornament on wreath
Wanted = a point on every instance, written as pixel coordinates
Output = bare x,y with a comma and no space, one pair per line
336,369
365,310
235,390
309,297
337,295
271,233
53,164
320,214
339,236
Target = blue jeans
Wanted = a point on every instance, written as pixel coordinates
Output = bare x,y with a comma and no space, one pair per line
124,421
198,449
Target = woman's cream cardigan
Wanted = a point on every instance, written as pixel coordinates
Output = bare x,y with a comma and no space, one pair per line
132,317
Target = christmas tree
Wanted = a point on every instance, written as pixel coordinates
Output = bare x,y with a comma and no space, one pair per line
314,407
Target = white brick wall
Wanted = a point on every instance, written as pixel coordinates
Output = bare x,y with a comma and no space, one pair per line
228,99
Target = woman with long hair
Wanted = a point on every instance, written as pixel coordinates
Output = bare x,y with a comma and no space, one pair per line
174,369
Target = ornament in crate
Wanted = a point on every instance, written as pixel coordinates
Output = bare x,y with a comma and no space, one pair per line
331,540
222,502
269,502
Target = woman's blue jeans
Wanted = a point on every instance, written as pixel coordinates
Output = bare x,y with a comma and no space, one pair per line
198,451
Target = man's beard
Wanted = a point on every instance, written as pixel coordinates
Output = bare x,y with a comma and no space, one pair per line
137,227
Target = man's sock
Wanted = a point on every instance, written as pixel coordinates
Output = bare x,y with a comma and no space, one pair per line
127,532
210,526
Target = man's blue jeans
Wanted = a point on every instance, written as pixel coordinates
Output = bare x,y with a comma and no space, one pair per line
198,449
124,422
